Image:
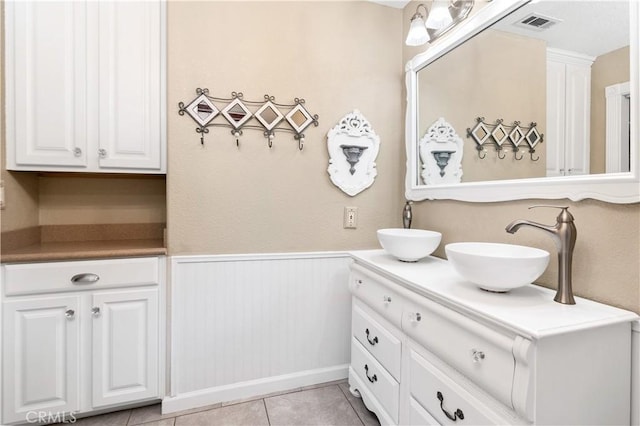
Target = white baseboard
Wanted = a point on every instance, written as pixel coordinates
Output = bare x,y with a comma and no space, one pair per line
253,388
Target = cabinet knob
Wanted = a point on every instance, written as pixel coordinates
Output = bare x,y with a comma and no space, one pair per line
477,355
359,282
70,314
415,317
95,311
386,299
77,152
102,153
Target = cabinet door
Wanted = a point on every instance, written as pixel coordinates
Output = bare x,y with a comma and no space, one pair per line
555,134
125,346
578,119
46,75
131,87
41,350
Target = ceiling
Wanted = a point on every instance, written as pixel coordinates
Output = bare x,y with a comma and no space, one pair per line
592,27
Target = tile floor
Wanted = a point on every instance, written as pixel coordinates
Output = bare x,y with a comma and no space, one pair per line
325,404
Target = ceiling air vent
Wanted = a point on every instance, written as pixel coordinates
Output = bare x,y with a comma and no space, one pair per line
537,22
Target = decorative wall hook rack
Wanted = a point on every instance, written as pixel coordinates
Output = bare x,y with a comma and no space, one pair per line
235,110
499,134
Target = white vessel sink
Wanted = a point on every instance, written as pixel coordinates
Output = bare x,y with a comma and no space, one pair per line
497,267
409,245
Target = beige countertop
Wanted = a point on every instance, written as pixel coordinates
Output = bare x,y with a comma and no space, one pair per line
73,242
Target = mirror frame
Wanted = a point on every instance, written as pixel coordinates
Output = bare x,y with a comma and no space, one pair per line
622,188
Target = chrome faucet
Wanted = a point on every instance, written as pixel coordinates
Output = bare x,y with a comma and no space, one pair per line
564,235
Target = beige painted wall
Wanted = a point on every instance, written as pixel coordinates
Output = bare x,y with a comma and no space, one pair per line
610,68
490,76
338,56
606,266
68,200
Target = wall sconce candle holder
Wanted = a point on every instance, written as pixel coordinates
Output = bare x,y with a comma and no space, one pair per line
499,134
203,110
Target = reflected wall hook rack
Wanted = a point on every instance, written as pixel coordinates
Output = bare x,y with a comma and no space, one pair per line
204,109
500,135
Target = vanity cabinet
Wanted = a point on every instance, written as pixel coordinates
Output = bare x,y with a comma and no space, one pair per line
430,348
568,113
79,336
85,86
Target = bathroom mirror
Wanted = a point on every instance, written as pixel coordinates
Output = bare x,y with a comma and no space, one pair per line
493,66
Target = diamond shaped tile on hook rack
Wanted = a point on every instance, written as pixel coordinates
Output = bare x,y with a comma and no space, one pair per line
533,137
269,116
202,110
237,113
499,133
299,118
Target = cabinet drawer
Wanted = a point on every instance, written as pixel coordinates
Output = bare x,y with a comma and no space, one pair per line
378,296
418,416
480,353
29,278
379,340
443,399
377,380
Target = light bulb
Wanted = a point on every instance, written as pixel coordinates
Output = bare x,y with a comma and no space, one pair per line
439,15
418,34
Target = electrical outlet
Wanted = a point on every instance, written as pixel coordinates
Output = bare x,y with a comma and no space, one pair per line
350,217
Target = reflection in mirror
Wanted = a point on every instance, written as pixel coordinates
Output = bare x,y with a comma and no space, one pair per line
541,64
298,118
237,113
561,71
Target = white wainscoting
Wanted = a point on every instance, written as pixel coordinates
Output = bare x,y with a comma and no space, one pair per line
635,373
249,325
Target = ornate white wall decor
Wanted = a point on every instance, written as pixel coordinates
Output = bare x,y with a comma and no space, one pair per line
353,147
441,154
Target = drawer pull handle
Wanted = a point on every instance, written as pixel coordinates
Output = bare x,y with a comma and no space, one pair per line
85,278
70,314
477,355
458,414
373,341
386,299
373,378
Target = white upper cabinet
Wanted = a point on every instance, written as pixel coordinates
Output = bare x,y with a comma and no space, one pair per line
86,86
568,113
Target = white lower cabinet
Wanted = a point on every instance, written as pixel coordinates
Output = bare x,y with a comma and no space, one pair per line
78,340
124,346
429,348
41,346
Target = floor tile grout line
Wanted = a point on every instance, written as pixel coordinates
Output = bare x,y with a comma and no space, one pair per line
352,407
129,416
266,411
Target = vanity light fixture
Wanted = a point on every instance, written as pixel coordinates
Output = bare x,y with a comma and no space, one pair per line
418,34
443,15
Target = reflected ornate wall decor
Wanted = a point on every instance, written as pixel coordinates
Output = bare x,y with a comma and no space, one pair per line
498,134
353,147
441,154
237,113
